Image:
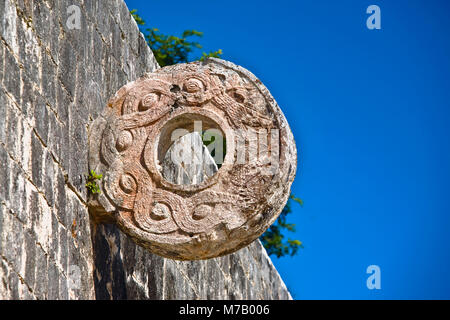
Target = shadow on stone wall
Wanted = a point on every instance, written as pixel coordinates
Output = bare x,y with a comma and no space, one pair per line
124,270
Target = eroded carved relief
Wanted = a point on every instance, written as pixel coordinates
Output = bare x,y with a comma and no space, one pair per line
235,202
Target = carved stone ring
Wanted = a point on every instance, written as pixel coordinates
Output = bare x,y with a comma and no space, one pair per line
184,210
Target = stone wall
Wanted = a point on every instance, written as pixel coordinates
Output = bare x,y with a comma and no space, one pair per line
54,81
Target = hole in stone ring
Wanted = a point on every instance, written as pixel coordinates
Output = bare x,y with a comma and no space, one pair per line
191,148
174,88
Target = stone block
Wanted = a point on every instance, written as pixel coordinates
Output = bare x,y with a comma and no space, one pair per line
26,8
63,254
49,80
17,192
67,70
41,114
63,102
13,130
8,24
60,202
2,63
49,178
11,76
30,259
53,282
28,99
55,136
29,51
41,275
37,161
41,22
4,174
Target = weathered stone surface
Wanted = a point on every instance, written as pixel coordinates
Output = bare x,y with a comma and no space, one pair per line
198,218
127,271
53,82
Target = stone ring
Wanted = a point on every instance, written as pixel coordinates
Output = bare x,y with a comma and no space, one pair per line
197,160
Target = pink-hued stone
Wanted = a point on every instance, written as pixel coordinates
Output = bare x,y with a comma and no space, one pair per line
196,217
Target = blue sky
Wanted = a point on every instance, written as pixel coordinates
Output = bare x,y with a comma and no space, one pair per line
370,112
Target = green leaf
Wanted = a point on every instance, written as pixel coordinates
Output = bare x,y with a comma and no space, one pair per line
91,184
298,200
273,238
171,49
137,18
